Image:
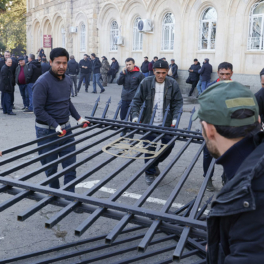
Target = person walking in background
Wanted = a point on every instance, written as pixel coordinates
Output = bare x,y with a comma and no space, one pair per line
7,87
34,71
150,68
96,65
130,78
86,69
113,69
41,52
206,72
45,66
104,70
73,71
145,67
194,75
174,69
20,80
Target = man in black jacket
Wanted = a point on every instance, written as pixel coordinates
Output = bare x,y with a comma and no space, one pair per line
114,68
130,78
45,66
96,65
230,121
34,71
194,75
160,90
86,69
260,97
7,87
206,72
145,66
73,71
174,69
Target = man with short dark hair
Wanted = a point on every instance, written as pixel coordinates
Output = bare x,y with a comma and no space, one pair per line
73,71
194,75
206,72
44,65
151,66
52,107
174,69
230,122
86,69
145,67
34,71
225,72
113,69
130,78
96,65
162,91
21,81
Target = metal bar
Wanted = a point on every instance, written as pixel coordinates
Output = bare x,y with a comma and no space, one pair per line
185,234
179,117
204,207
95,106
178,211
118,109
146,240
106,108
58,248
190,122
109,204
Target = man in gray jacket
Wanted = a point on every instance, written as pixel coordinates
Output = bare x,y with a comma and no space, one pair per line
163,91
21,80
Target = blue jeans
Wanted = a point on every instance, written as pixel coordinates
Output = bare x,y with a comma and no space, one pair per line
24,94
146,74
165,140
69,176
30,96
96,79
199,87
204,85
6,99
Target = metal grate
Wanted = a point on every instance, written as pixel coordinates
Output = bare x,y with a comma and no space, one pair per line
184,229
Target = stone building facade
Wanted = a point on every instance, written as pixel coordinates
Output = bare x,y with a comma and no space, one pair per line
221,30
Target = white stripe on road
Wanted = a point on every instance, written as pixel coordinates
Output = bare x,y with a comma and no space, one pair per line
91,184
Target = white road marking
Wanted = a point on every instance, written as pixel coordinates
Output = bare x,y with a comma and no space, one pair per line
91,184
2,238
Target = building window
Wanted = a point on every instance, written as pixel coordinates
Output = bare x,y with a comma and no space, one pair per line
208,25
137,36
168,26
255,40
113,34
63,38
83,37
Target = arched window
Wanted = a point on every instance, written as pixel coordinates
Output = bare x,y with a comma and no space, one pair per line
82,37
63,37
137,36
255,40
208,25
168,26
113,34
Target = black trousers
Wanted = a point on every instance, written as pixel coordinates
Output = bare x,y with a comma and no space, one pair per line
87,77
194,84
74,81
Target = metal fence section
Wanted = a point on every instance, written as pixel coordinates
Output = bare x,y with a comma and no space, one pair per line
179,234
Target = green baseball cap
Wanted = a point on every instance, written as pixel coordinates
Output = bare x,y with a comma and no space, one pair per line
221,100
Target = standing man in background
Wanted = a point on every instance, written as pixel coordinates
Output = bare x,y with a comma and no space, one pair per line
206,72
174,69
194,75
113,69
86,69
104,70
130,78
73,71
20,80
151,66
145,67
96,65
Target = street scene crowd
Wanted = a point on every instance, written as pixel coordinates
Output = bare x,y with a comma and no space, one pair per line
231,117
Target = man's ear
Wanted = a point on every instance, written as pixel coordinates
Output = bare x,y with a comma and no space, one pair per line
50,62
209,130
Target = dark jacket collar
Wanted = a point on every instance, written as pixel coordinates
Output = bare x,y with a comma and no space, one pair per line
54,75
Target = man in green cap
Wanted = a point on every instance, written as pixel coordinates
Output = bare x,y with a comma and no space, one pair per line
230,121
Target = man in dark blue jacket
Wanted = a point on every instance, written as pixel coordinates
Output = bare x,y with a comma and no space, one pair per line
52,107
45,66
96,65
174,69
114,68
73,71
231,129
130,78
86,69
206,72
144,67
194,75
